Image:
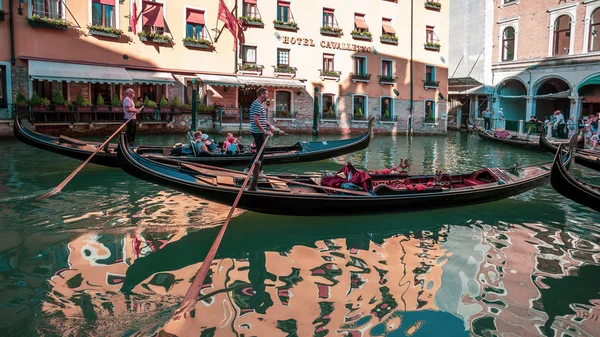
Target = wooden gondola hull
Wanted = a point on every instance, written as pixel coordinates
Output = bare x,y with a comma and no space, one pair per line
303,151
582,157
283,203
532,145
565,184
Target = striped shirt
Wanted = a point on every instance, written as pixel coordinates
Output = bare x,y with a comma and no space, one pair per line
257,109
128,103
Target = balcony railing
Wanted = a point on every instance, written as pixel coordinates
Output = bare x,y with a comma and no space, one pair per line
330,74
431,84
252,21
360,77
387,79
281,70
433,5
250,68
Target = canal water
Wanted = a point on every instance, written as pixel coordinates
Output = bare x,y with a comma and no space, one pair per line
113,256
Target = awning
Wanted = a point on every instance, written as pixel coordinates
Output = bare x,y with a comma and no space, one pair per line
152,14
359,22
250,2
105,2
562,94
387,26
271,82
150,77
224,80
478,90
70,72
195,16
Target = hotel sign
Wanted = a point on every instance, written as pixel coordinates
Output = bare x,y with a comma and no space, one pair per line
299,41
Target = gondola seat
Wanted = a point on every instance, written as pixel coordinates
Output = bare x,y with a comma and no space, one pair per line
389,190
472,182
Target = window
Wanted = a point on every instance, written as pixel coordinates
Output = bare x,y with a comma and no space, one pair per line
283,104
387,68
387,108
283,57
386,27
42,88
250,9
360,65
47,8
359,107
508,44
562,35
195,24
249,54
429,112
153,20
360,24
328,106
328,64
594,44
103,13
283,11
3,88
430,34
430,74
327,17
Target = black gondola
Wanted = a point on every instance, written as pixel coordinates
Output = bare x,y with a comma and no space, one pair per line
578,191
587,158
290,195
519,142
300,152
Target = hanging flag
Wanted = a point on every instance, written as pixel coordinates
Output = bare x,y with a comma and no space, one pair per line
133,17
231,22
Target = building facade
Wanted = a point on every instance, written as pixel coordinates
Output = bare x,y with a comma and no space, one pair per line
355,60
546,57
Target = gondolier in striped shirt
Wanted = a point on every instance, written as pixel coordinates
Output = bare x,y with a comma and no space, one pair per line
259,122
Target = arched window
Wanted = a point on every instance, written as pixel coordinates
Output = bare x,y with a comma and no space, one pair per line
562,35
359,107
508,44
595,31
386,112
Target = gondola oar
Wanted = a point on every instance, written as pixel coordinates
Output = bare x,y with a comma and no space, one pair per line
74,173
191,296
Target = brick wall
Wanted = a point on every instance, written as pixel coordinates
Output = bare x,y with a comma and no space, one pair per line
76,88
534,19
226,96
19,79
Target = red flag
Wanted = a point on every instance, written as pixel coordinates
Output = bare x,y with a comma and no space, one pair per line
231,22
133,18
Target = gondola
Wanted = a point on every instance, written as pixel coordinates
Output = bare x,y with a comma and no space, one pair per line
519,142
587,158
578,191
304,195
300,152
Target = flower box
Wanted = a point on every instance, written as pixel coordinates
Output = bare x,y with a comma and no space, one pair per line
155,38
284,70
361,35
433,5
431,84
101,107
62,108
360,77
387,80
389,118
248,68
389,39
330,74
37,21
332,31
432,46
278,24
105,31
196,43
252,22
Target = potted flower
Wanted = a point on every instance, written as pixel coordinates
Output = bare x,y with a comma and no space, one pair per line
21,102
251,21
105,31
196,43
59,102
290,25
186,108
44,22
329,30
36,102
174,104
100,106
115,103
359,113
361,35
45,104
330,112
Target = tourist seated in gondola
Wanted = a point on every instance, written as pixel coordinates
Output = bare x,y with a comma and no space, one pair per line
208,145
230,146
197,137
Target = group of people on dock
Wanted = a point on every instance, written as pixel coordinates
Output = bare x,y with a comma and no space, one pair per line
492,120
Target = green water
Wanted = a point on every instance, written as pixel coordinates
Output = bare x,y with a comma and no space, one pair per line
113,256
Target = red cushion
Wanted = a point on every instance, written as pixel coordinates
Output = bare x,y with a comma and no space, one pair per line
472,182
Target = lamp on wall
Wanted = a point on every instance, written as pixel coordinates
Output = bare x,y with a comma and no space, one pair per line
396,92
299,92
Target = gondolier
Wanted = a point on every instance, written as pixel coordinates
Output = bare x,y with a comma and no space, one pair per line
130,111
259,122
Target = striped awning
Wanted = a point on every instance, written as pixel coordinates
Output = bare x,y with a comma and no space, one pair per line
150,77
71,72
222,80
271,82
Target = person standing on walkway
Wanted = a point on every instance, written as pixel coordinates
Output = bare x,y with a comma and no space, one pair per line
487,119
130,111
559,124
259,123
500,121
